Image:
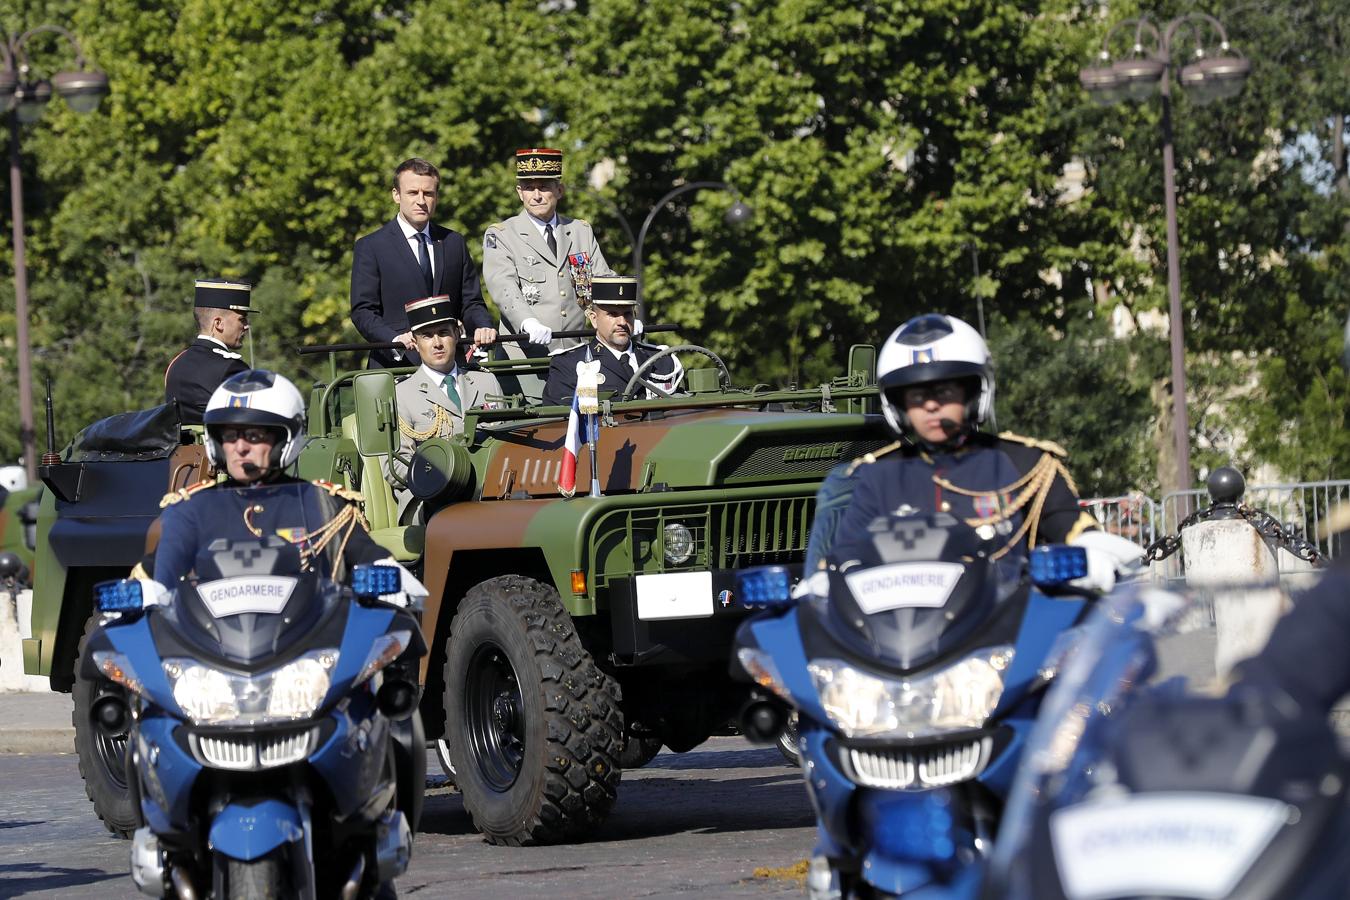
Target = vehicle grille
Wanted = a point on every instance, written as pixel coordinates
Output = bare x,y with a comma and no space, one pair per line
918,769
252,751
764,532
730,534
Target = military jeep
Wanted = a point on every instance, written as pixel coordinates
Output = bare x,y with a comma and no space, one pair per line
571,638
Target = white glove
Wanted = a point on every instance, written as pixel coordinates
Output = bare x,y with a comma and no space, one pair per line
637,327
1107,554
539,332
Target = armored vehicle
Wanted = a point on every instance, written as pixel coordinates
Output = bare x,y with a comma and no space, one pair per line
571,638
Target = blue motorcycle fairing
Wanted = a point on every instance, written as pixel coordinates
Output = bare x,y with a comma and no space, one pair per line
364,624
167,771
780,637
134,641
828,789
249,830
1042,622
352,761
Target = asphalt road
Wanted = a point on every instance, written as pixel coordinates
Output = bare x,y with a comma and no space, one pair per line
726,820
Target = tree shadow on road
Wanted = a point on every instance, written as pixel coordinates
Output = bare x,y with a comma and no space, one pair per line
18,879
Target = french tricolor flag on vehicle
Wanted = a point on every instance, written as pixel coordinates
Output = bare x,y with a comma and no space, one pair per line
582,428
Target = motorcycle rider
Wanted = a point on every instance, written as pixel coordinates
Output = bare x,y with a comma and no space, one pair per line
937,389
255,429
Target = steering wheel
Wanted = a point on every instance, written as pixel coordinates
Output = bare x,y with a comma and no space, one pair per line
638,378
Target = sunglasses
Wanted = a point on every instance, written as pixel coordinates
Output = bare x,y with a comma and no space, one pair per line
941,391
252,435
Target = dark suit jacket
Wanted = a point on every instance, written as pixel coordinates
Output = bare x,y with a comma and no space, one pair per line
194,374
562,371
385,276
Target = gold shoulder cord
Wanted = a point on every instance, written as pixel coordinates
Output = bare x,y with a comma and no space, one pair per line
1034,487
442,418
869,458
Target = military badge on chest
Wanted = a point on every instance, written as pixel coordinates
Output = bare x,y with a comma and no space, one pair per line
580,264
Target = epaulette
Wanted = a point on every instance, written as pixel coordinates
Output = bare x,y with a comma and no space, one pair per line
338,490
227,354
500,226
182,494
869,458
1047,446
582,222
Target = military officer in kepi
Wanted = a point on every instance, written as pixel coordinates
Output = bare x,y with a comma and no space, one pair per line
538,265
431,401
937,389
221,309
611,313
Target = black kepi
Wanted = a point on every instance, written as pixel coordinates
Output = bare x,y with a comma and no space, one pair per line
429,311
216,293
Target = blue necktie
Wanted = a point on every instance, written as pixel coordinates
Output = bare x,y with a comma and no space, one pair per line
424,259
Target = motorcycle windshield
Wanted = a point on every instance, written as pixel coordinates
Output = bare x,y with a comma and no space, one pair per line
266,562
914,588
1141,776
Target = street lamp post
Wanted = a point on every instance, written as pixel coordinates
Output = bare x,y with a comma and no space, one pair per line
738,214
27,95
1208,77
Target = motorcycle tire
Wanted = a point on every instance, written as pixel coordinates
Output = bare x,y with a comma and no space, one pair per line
104,761
408,744
535,728
258,879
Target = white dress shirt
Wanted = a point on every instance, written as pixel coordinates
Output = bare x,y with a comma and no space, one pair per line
410,235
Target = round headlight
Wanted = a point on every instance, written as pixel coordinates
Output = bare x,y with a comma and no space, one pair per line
679,544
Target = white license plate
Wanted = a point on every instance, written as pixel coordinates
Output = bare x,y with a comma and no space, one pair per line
675,595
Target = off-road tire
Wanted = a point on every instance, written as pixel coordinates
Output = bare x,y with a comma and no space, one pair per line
259,879
104,762
534,727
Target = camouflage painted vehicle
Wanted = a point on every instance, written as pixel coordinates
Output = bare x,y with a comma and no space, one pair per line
570,638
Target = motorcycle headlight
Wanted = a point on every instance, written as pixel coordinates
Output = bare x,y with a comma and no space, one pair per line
209,696
961,696
299,687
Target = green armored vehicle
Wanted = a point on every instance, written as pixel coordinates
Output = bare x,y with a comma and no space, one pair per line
571,638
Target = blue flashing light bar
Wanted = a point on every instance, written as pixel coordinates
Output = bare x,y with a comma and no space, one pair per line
372,580
764,587
1057,564
122,595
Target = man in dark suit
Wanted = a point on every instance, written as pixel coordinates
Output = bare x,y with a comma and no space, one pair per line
411,258
221,309
611,313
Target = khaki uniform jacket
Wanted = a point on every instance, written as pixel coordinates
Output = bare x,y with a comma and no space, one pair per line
526,281
418,399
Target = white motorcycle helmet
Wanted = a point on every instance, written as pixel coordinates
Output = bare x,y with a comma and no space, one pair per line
262,399
934,348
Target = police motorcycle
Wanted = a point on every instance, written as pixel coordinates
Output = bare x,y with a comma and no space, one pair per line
915,661
267,708
1143,779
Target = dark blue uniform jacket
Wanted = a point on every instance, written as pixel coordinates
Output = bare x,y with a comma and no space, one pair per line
856,493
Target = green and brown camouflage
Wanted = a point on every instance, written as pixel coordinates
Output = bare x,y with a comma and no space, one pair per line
734,471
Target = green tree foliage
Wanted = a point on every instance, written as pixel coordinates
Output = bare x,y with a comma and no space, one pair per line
884,147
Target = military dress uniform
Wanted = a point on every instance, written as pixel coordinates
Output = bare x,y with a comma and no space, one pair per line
529,280
615,368
426,408
195,373
319,517
1007,486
